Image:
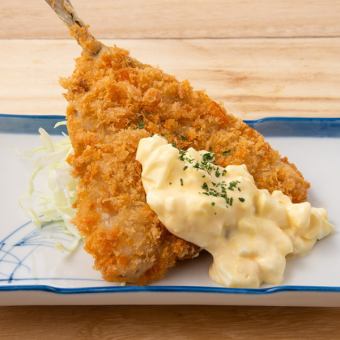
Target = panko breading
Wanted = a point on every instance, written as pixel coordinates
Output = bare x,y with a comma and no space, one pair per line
114,101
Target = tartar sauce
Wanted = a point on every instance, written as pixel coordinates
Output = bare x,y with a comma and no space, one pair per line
248,231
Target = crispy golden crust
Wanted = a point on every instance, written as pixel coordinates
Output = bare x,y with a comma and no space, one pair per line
114,101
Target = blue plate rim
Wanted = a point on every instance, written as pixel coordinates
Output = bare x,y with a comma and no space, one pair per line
171,289
178,289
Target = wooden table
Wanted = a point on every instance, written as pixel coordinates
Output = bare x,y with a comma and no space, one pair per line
259,58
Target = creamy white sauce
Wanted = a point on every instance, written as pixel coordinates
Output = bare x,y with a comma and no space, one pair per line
248,231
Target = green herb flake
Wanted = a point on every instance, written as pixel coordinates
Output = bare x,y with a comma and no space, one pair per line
241,199
181,180
182,137
181,155
208,157
213,204
186,167
233,185
140,124
205,186
217,190
226,152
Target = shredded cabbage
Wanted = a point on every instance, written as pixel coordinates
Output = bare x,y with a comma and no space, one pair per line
52,188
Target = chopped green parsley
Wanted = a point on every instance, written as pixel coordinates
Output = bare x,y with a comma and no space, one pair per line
233,185
140,124
205,186
182,155
208,157
215,189
205,164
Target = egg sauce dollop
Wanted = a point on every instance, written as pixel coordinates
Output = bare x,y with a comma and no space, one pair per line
248,231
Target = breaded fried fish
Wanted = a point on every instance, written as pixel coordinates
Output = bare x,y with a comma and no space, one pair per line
113,102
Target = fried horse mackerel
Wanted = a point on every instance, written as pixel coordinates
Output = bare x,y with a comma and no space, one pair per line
113,102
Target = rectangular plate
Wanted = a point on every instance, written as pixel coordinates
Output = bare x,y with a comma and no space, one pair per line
33,271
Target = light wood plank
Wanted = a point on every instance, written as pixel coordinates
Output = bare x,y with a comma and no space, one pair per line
177,18
253,78
169,322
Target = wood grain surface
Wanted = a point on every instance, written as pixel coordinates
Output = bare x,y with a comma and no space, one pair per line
178,18
251,77
259,58
169,322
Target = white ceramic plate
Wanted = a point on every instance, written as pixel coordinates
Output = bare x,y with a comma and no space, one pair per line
33,271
